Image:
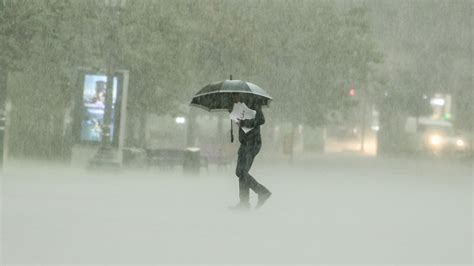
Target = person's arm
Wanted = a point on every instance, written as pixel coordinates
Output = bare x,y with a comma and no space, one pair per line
255,122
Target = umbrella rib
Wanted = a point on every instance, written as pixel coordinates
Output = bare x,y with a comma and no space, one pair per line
208,109
200,106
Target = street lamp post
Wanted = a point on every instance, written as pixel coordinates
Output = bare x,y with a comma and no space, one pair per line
114,7
106,154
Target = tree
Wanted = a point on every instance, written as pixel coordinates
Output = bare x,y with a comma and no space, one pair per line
18,24
427,50
304,61
43,69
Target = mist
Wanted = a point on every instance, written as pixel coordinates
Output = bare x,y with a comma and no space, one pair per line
366,144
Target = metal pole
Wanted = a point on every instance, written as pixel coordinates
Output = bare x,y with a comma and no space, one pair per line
107,124
364,93
363,125
106,154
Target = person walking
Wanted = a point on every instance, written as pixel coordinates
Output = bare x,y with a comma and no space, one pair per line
250,144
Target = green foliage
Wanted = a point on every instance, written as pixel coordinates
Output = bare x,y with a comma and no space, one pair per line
19,22
428,49
304,53
319,56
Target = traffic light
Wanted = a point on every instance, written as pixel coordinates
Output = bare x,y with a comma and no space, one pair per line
352,91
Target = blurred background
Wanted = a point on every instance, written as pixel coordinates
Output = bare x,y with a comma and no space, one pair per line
371,77
367,145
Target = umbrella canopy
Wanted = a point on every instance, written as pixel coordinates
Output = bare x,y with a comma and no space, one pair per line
218,95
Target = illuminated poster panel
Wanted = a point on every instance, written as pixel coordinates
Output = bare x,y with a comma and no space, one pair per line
93,101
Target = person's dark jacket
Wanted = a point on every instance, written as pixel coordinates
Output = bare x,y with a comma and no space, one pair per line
252,137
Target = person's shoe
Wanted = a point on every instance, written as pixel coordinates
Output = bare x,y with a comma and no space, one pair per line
241,206
262,198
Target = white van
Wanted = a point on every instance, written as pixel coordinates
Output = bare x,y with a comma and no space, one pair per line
434,136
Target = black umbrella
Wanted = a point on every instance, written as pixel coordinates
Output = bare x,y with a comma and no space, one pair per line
217,96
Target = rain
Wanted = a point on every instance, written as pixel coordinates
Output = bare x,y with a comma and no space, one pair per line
131,131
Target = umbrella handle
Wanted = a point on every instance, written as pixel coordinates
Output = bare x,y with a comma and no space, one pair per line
231,132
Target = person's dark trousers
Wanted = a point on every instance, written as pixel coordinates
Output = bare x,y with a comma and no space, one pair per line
246,155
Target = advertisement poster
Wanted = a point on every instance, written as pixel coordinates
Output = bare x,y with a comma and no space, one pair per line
93,100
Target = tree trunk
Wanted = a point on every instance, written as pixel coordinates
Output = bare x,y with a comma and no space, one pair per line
3,112
143,130
191,129
131,129
292,142
3,85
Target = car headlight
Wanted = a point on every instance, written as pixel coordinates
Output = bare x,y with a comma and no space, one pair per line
435,140
460,143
